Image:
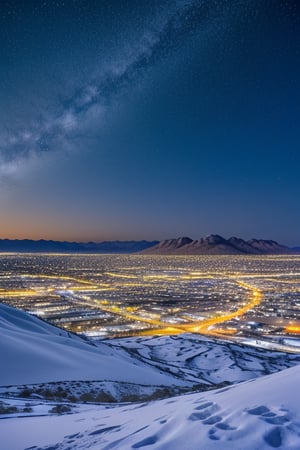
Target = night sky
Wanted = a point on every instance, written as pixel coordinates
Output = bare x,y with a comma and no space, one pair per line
148,119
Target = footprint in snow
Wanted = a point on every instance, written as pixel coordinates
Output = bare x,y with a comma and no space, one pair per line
225,426
212,435
274,437
258,411
204,411
269,416
212,420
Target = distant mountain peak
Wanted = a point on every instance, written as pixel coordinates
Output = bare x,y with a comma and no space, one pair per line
174,243
214,239
217,245
267,246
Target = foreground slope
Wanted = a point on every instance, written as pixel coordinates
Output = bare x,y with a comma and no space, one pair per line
263,413
32,351
256,415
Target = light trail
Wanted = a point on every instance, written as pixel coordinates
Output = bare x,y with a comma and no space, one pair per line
119,275
293,329
201,327
19,293
255,300
63,277
160,327
161,299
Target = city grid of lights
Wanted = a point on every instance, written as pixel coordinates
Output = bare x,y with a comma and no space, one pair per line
123,295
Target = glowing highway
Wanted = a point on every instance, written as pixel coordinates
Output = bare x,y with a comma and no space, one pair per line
114,295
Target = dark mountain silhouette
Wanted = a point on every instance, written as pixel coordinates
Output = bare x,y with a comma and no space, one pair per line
31,246
210,245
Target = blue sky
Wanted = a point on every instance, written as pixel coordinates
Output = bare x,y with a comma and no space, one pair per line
137,119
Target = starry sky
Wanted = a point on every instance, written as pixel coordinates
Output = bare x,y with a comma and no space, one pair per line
150,119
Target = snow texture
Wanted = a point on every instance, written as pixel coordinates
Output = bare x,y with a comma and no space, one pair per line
257,414
32,351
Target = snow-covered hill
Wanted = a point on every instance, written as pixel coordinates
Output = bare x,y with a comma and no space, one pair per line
256,415
198,359
32,351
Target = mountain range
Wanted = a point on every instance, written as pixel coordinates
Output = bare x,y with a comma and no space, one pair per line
217,245
49,246
210,245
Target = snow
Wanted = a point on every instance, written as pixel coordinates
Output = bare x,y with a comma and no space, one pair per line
32,351
293,342
256,415
196,358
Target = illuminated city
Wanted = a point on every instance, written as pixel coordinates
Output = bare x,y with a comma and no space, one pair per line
104,296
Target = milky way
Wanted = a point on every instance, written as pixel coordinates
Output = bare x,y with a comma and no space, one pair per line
140,107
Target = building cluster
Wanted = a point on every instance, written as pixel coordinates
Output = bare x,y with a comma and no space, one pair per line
123,295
